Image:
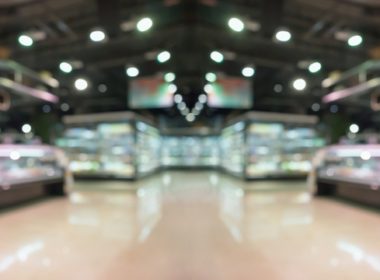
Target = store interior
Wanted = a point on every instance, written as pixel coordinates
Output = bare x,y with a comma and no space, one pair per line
189,139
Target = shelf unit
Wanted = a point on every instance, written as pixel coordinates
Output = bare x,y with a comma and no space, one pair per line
262,145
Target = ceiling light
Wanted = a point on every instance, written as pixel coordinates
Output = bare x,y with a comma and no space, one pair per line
65,107
65,67
46,108
236,24
97,35
181,106
334,108
211,77
195,112
26,128
217,56
25,40
132,71
248,71
169,77
185,111
190,117
278,88
178,98
208,88
355,40
172,88
315,107
81,84
365,155
354,128
199,105
299,84
315,67
163,56
202,98
102,88
283,35
144,24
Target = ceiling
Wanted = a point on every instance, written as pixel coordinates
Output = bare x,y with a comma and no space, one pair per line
190,30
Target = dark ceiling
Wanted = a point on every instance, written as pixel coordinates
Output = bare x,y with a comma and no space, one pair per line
190,30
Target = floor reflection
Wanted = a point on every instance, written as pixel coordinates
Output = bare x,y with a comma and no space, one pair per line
130,214
259,214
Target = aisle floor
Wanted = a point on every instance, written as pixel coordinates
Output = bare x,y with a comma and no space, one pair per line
189,225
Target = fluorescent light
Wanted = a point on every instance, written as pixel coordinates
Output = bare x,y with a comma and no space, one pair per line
315,67
81,84
65,67
26,128
283,35
248,71
355,40
236,24
211,77
132,71
163,56
216,56
97,35
354,128
169,77
299,84
25,40
144,24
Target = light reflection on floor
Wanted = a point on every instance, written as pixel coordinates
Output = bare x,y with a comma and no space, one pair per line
189,225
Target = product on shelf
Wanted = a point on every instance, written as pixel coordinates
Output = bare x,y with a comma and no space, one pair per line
190,151
121,145
29,171
351,171
259,145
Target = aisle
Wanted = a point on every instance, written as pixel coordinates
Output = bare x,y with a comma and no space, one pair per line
195,225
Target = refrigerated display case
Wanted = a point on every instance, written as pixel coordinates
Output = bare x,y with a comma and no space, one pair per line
261,145
190,151
31,171
350,171
119,145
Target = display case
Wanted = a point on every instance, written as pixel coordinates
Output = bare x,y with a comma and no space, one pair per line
30,171
190,151
350,171
119,145
260,145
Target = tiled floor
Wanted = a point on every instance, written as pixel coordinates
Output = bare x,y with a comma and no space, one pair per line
189,225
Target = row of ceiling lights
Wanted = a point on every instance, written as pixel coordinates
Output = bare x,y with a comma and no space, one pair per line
190,116
96,35
284,35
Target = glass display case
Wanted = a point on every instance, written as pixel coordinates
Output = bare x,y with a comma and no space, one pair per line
190,151
260,145
351,171
29,171
120,145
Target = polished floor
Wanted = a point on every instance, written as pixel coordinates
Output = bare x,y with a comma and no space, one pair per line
189,225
